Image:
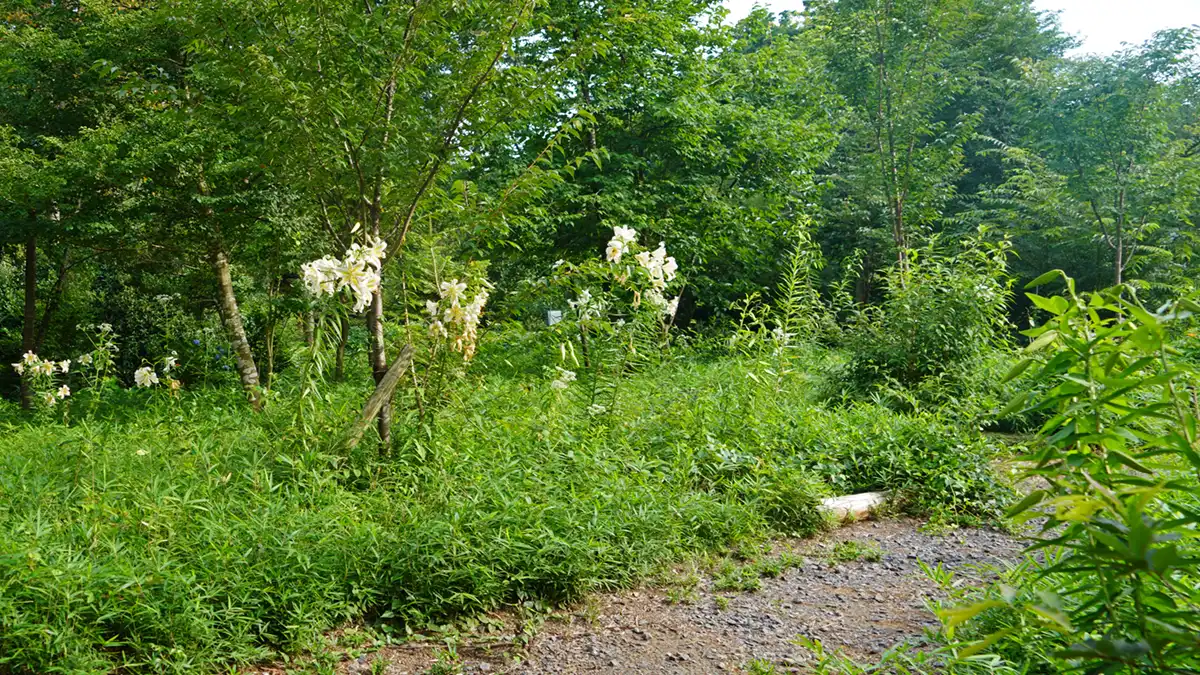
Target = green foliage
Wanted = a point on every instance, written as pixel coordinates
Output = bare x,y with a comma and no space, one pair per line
941,317
148,148
896,65
854,551
774,332
703,135
731,576
1115,132
181,534
1117,465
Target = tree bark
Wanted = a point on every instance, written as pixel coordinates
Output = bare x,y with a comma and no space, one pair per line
378,358
29,329
269,338
309,326
234,330
1120,235
53,301
377,349
339,366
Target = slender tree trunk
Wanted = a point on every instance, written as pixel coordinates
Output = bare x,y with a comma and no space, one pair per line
309,326
899,234
29,329
585,95
339,366
234,330
377,349
1119,271
52,302
1119,262
378,357
269,336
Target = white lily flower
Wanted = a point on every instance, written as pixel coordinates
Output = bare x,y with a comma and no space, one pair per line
669,268
627,235
454,314
145,377
615,250
660,254
64,391
452,290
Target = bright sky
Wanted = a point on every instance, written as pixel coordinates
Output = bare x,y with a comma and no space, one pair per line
1102,24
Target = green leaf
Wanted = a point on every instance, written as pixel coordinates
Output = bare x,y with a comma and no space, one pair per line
1122,458
960,615
1056,305
976,647
1046,278
1057,619
1030,500
1017,403
1016,370
1043,340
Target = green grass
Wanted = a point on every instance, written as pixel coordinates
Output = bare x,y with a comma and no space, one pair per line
854,551
172,536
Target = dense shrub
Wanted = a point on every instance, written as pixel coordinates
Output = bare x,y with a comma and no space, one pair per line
940,318
1109,583
1119,501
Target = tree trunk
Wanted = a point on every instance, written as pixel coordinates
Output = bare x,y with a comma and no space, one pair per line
29,329
378,357
376,348
234,330
269,336
309,326
898,233
1119,263
52,302
1119,272
339,366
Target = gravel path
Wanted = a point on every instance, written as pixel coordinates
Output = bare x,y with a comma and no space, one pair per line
861,607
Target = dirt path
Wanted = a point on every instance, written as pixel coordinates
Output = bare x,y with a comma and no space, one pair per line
871,599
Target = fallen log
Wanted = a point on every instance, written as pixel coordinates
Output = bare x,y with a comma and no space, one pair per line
853,507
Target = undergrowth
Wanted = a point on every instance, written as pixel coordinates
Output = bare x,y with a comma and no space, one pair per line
170,535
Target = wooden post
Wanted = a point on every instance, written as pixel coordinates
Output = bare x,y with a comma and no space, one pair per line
381,397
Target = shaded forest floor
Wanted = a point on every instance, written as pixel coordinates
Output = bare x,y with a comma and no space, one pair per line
858,590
